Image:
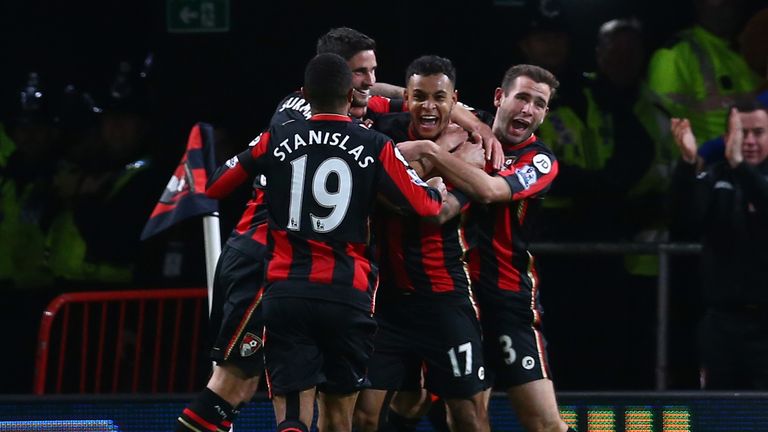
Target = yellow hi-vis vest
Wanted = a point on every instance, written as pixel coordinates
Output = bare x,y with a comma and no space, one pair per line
699,78
585,143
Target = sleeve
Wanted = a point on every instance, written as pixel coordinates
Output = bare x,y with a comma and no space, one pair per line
460,196
531,174
690,200
755,186
402,186
385,105
238,169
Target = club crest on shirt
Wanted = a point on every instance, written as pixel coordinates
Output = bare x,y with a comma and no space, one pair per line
251,343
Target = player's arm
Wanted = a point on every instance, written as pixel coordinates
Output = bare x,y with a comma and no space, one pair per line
460,115
387,90
469,121
403,188
238,169
454,203
530,175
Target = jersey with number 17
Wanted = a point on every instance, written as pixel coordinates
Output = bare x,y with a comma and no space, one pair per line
323,177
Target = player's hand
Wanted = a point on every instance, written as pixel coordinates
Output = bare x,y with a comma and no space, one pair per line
415,150
471,153
684,138
734,139
493,151
452,137
437,183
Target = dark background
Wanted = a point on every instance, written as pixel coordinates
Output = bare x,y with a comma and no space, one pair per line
235,79
240,75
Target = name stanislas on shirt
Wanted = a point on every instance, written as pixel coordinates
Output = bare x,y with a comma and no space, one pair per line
336,139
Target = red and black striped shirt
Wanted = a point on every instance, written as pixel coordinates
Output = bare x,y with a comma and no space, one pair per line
322,177
500,264
418,256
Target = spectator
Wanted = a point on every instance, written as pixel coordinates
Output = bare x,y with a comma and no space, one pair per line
727,204
27,205
98,242
755,51
697,75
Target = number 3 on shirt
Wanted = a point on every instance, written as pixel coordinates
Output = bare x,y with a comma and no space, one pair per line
338,201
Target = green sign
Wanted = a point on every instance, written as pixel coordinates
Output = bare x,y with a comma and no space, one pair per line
197,16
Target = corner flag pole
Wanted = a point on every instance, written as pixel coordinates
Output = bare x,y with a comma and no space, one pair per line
212,240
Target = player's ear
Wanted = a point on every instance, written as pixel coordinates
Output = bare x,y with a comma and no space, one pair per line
301,90
455,96
497,95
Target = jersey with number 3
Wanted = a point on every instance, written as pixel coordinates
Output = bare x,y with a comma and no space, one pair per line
323,176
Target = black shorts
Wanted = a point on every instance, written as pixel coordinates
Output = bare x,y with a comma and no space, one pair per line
514,346
443,340
312,342
236,325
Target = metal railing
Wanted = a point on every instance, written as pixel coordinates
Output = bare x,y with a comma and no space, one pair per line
100,323
663,251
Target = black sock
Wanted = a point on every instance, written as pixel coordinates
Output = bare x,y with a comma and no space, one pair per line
206,411
398,423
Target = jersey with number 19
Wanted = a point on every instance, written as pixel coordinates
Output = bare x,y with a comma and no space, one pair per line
323,178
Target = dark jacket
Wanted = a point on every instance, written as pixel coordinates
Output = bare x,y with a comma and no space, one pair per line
728,207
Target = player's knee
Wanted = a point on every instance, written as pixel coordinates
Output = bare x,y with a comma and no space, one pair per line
292,426
365,421
334,421
467,416
542,423
249,388
233,384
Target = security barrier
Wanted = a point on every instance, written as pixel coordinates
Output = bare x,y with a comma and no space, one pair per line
131,341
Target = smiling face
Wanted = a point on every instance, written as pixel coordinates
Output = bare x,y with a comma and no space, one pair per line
430,100
363,66
755,145
521,110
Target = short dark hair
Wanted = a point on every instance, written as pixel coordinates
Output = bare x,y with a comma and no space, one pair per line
327,81
345,42
431,65
536,73
745,105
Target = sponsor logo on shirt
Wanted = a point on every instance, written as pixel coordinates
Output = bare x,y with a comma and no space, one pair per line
542,163
527,176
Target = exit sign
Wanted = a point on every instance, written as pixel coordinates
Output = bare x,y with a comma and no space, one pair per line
197,16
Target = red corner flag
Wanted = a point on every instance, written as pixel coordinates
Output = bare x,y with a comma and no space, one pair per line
184,196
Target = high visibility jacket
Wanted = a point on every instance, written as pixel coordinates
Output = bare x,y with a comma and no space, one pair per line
23,253
698,77
70,257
